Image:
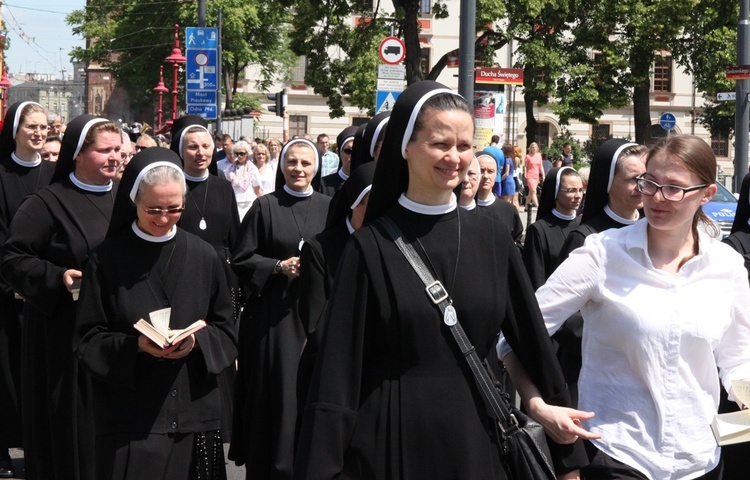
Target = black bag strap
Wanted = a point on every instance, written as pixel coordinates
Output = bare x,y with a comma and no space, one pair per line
440,297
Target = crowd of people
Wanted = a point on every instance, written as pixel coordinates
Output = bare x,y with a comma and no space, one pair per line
295,330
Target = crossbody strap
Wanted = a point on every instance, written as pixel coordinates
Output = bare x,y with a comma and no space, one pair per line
439,297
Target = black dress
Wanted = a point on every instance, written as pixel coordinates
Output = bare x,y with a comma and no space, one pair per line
331,183
16,182
213,201
271,334
53,231
544,241
505,213
391,397
135,394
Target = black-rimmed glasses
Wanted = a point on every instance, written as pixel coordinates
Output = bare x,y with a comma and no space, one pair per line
673,193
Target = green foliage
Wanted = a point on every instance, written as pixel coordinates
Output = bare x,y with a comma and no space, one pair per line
131,40
242,99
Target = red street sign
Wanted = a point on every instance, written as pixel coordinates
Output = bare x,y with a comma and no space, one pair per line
392,50
255,114
497,75
738,72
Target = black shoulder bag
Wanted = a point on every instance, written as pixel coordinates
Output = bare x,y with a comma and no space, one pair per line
523,449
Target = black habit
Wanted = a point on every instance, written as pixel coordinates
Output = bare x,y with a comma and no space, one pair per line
53,231
391,397
136,394
271,334
330,184
544,241
506,213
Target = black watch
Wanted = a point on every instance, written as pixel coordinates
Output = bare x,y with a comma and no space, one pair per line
278,267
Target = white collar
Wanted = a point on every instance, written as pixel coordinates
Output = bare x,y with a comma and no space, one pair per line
428,209
295,193
24,163
202,178
486,203
90,188
349,225
342,174
617,218
470,206
562,216
150,238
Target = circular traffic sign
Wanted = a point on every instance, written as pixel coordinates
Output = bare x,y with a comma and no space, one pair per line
667,121
392,50
201,59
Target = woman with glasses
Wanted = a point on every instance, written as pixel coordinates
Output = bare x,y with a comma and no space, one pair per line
22,172
266,172
652,342
557,216
243,175
157,408
51,235
332,183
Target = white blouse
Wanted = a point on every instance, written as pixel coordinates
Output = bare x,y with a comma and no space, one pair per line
652,342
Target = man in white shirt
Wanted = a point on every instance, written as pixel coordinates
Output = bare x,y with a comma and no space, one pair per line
329,161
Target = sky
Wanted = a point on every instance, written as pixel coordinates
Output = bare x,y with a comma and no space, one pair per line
40,40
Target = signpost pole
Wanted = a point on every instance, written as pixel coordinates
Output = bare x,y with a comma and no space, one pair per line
218,77
742,109
466,38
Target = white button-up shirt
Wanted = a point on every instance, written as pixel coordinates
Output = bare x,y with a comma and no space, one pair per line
652,342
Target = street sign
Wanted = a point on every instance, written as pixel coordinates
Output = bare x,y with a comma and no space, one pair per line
384,101
201,71
206,111
392,72
667,121
392,50
726,97
738,72
389,85
199,97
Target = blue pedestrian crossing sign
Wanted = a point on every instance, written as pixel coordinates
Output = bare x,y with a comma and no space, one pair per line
384,101
201,71
667,121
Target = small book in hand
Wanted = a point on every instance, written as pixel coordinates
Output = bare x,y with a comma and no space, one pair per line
158,330
75,289
734,427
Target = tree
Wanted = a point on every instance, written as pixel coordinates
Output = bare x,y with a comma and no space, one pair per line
132,39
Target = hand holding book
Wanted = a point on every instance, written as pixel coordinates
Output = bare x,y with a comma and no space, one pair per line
158,332
734,427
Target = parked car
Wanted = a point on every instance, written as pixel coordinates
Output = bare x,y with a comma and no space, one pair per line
721,209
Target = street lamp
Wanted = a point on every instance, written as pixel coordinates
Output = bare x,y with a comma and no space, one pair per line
176,59
4,86
161,89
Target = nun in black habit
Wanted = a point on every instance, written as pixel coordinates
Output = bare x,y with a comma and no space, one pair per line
271,334
211,213
736,458
557,216
488,204
371,140
52,233
319,261
391,397
330,184
22,172
612,201
157,409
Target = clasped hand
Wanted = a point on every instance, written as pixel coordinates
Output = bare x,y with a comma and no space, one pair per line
172,352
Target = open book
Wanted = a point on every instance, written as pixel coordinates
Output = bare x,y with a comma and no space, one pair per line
158,330
734,427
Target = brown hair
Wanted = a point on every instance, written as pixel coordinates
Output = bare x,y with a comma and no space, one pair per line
30,109
94,132
695,155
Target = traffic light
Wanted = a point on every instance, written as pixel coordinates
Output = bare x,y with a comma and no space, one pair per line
280,102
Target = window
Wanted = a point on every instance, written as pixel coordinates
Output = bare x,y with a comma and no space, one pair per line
720,145
601,131
424,62
425,7
542,135
298,71
663,74
297,125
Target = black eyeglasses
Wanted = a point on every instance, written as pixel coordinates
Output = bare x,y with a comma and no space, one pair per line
159,212
673,193
347,151
240,154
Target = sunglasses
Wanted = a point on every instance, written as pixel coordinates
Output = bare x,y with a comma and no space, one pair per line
347,151
241,154
158,212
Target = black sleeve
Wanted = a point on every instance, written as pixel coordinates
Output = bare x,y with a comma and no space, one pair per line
252,268
534,256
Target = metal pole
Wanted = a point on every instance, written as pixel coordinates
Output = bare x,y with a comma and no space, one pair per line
201,13
466,38
218,77
742,109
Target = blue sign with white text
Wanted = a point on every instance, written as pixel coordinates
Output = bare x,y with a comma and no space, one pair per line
206,111
199,97
202,71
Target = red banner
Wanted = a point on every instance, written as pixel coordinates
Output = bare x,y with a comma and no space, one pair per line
497,75
738,72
